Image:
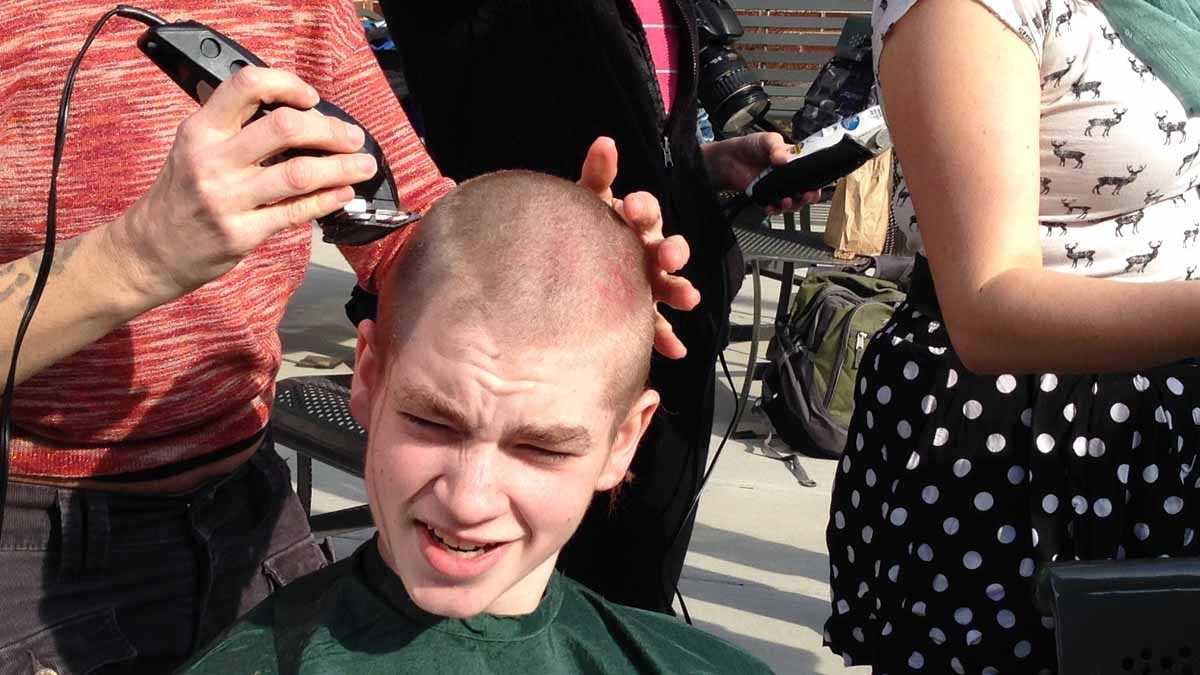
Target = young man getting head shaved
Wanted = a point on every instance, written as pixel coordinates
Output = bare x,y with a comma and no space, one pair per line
502,387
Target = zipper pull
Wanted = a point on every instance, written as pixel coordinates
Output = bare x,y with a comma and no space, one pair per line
860,342
666,146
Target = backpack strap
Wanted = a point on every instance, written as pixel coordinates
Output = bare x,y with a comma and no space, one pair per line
894,268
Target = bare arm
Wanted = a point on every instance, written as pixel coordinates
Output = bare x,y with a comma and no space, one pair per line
964,114
85,297
210,206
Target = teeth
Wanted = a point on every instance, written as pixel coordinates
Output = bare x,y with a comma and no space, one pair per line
455,544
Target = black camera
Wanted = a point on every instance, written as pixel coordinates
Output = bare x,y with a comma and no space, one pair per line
729,91
844,85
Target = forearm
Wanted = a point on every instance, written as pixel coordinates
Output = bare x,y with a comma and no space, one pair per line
86,297
1033,320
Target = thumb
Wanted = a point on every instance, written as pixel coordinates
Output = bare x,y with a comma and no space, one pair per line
600,168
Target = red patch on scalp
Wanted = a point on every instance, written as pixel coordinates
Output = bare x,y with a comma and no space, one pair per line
614,288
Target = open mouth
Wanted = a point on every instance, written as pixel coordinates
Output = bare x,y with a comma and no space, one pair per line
458,547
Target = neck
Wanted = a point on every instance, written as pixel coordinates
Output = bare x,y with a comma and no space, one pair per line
525,595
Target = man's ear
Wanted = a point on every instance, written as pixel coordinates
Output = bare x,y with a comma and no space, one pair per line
366,373
625,443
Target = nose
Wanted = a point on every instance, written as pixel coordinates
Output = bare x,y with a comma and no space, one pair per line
470,487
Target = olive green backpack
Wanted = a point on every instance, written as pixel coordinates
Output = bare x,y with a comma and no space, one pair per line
808,384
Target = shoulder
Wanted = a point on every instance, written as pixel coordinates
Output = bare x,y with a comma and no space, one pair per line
1030,20
685,648
247,647
289,615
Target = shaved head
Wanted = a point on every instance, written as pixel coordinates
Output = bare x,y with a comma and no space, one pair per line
536,261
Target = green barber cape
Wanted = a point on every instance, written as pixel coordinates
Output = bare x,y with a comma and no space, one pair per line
355,617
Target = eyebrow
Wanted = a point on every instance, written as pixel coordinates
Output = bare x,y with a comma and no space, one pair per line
560,437
429,402
573,439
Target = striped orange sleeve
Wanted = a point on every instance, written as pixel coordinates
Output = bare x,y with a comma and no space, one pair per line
359,87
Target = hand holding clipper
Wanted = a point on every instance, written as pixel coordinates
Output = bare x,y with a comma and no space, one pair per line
199,59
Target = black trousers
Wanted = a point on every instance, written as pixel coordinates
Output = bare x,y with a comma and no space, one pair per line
100,582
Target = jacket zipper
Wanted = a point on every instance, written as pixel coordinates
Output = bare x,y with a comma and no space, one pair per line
686,32
667,125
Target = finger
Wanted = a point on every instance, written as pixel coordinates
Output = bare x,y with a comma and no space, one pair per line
600,168
303,175
672,253
665,340
288,128
238,98
642,212
781,154
772,140
676,292
268,220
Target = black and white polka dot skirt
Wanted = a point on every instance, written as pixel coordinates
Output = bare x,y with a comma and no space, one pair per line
956,487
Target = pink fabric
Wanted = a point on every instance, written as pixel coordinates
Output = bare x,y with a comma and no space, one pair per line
662,33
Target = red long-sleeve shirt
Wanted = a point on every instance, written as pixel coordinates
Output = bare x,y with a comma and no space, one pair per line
196,374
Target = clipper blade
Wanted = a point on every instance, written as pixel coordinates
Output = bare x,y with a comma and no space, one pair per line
355,227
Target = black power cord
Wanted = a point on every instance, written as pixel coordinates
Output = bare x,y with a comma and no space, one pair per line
39,283
704,480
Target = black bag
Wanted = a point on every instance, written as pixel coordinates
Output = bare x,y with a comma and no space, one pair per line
813,361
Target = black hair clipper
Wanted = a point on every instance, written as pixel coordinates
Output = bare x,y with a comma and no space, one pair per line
824,157
199,59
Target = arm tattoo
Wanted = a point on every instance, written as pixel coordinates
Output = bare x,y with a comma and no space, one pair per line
63,254
12,287
11,280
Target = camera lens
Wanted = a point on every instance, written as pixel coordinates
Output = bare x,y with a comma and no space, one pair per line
729,90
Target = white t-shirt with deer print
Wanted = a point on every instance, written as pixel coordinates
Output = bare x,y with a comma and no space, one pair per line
1120,160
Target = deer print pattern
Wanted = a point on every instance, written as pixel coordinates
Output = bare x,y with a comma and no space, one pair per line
1063,155
1072,208
1118,182
1188,159
1056,76
1080,87
1076,256
1063,19
1050,225
1120,159
1109,35
1107,122
1171,128
1138,67
1143,259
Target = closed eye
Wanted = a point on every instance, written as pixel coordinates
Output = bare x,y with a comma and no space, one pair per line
544,455
426,424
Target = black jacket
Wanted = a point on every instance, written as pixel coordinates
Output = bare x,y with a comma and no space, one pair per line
506,84
530,84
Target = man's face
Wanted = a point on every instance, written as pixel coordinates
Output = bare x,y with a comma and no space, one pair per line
483,458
